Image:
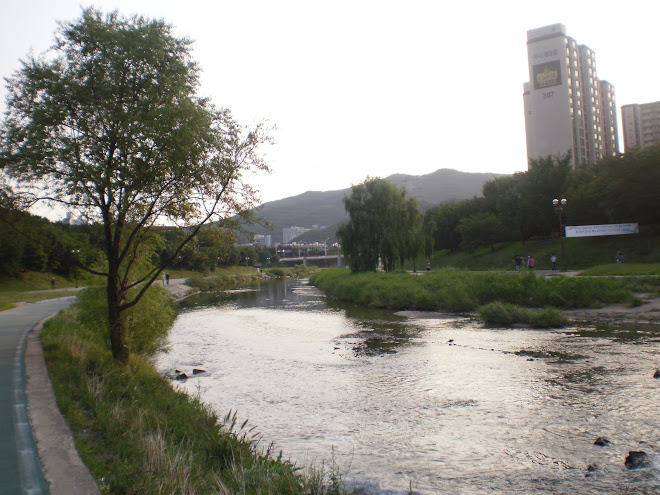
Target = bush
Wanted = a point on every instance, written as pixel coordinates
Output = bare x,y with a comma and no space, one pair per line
499,313
548,318
146,323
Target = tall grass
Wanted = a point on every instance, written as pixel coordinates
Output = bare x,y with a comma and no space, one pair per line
140,436
457,291
498,313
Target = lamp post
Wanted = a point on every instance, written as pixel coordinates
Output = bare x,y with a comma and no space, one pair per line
559,205
75,253
247,260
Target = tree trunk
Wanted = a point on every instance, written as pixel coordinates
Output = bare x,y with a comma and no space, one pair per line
115,300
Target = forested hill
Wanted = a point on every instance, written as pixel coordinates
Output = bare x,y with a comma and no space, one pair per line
325,208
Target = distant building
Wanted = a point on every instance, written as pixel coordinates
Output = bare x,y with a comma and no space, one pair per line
70,220
641,125
264,240
291,233
567,108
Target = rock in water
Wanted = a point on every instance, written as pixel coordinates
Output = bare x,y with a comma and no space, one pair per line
198,371
656,374
637,459
602,441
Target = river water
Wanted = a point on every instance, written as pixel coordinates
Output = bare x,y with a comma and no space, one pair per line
436,403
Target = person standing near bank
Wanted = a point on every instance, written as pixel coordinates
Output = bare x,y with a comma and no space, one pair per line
553,260
530,262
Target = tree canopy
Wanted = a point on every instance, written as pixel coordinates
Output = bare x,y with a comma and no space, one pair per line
109,125
384,223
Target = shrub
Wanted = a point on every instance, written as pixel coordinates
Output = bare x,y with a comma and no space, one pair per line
548,318
146,323
499,313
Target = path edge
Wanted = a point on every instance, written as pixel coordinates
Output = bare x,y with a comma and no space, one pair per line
63,468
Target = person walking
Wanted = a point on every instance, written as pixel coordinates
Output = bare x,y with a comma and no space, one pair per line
530,262
428,265
518,260
553,260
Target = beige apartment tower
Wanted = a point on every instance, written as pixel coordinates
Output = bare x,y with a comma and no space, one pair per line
641,125
567,108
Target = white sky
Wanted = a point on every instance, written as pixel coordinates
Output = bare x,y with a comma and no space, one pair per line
371,88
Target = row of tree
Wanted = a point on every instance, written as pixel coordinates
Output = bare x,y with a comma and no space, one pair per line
387,225
32,243
618,189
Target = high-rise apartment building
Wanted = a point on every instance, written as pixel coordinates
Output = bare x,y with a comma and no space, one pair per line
567,109
641,125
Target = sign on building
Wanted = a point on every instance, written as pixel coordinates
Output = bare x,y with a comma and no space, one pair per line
596,230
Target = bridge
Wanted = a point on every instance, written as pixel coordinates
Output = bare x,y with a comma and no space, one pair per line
324,261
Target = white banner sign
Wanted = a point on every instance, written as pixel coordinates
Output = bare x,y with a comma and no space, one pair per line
608,229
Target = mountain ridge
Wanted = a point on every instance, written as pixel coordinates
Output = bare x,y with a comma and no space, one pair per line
325,208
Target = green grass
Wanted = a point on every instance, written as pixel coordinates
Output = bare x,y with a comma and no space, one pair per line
618,269
140,436
498,313
458,291
20,289
580,253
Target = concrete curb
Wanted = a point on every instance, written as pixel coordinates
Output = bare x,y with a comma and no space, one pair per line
63,468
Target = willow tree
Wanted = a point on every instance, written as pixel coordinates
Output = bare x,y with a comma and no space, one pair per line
384,223
108,124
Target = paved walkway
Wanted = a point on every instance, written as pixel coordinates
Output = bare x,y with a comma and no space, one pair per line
51,463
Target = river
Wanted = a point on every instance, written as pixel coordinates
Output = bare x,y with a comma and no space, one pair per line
436,403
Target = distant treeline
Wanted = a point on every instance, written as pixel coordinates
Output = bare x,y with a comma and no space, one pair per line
618,189
29,242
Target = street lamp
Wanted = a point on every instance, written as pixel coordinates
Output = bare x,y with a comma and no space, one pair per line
75,253
560,205
247,259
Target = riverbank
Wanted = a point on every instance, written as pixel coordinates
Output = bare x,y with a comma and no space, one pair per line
137,434
620,298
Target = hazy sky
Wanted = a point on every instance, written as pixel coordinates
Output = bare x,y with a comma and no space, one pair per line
371,88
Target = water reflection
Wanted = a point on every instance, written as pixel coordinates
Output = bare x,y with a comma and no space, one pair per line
441,403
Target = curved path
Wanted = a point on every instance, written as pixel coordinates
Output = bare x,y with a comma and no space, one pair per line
55,467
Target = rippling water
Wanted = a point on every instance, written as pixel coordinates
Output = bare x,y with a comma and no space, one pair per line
441,404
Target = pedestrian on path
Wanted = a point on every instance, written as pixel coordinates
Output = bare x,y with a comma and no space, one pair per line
553,260
518,260
530,262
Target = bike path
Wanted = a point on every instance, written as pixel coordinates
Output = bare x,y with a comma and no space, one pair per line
20,468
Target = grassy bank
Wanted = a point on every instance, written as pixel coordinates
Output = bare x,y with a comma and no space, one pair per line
21,289
140,436
457,291
580,253
236,276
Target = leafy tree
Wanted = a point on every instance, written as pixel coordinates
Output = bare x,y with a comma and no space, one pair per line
619,189
443,222
482,229
383,223
109,125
